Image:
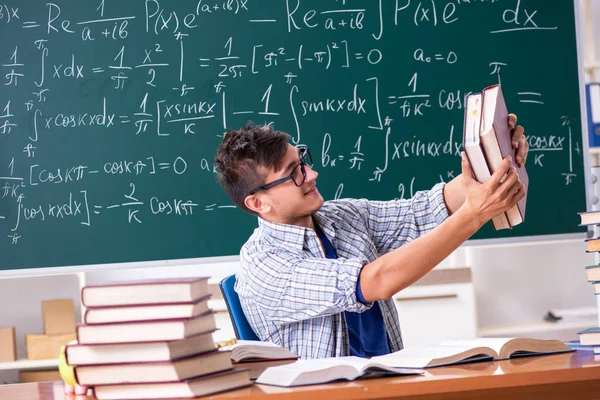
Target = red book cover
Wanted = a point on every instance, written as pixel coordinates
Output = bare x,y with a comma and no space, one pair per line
504,137
200,324
199,282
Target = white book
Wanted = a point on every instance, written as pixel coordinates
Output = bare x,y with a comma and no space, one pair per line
458,351
435,356
254,349
311,372
409,360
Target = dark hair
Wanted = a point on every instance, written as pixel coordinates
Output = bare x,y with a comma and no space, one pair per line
244,158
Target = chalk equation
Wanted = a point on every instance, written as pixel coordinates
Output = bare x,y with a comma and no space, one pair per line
114,110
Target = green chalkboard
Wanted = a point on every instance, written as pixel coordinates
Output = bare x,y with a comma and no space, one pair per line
111,112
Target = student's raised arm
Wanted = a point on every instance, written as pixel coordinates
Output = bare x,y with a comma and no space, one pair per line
400,268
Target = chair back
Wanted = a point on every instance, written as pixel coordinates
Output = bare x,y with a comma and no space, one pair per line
243,330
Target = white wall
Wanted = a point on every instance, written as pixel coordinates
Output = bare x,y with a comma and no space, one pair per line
595,12
519,284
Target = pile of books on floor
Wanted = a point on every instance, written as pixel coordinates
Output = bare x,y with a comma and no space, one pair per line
591,337
151,340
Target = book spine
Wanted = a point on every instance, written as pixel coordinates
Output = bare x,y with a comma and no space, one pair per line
500,222
516,214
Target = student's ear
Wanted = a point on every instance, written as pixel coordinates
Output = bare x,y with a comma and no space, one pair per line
257,204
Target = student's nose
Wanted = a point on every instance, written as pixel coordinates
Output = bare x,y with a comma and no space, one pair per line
311,174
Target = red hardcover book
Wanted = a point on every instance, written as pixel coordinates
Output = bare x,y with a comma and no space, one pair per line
146,331
99,354
150,372
474,150
496,138
103,315
157,291
201,386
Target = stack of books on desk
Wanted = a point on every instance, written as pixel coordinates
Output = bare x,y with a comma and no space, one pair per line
591,337
151,340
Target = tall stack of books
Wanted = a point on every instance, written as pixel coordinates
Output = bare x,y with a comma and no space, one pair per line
591,336
151,340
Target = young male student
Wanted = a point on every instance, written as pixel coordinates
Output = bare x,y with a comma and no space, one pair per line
317,277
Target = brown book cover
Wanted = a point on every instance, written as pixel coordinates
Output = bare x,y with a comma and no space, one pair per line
155,291
146,331
153,372
503,136
209,384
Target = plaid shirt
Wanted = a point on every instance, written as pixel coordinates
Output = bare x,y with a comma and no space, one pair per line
295,297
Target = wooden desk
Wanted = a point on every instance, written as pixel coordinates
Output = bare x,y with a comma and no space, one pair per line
555,377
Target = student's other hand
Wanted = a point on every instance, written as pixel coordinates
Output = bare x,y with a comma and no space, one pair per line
487,200
519,141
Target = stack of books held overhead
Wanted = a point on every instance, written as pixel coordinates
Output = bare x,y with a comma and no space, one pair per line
151,340
591,337
487,140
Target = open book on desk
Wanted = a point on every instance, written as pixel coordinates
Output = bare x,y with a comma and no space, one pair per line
458,351
249,350
409,360
312,372
256,356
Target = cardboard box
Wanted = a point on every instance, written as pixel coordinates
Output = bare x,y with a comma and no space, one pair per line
8,346
59,316
39,375
41,347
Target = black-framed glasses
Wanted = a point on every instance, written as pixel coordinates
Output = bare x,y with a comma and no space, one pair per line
298,175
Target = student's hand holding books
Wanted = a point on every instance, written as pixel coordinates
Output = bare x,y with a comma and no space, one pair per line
491,135
519,141
501,192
